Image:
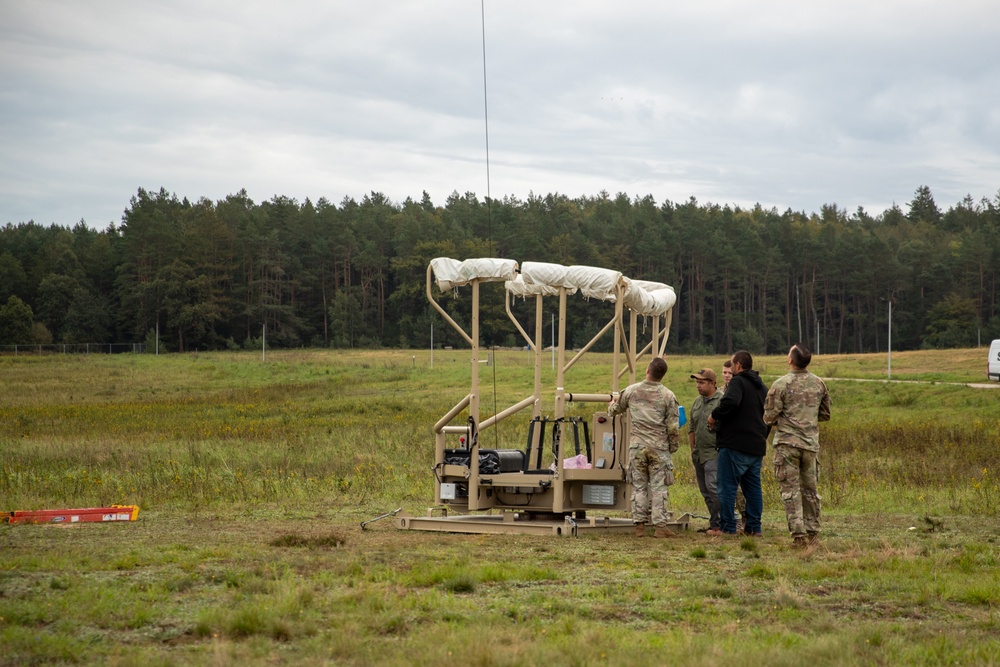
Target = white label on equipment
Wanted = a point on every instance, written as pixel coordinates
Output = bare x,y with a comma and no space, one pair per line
609,442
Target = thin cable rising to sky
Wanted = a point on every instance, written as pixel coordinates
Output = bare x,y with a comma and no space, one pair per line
489,199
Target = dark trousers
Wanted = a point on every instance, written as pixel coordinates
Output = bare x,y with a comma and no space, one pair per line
737,469
707,483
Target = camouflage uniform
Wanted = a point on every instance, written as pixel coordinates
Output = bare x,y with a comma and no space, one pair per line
654,436
741,507
796,403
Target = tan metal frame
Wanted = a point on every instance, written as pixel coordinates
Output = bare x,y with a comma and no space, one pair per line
555,502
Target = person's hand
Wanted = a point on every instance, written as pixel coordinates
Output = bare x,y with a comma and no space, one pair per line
711,423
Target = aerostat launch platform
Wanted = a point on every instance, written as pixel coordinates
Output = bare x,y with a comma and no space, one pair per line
571,477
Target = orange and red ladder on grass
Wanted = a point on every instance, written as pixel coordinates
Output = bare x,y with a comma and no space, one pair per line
84,515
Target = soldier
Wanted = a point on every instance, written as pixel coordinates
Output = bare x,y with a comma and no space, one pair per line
796,403
654,436
704,455
727,372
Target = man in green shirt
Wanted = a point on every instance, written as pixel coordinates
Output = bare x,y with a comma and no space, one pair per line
704,455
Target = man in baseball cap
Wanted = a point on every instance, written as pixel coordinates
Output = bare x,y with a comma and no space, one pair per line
706,374
704,456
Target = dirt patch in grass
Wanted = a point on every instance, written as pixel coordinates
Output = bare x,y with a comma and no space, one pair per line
330,541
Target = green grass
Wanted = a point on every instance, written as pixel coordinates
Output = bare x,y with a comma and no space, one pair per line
253,477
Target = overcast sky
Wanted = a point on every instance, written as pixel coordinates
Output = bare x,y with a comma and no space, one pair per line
788,104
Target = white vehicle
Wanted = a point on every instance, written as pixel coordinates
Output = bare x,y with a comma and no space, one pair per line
993,365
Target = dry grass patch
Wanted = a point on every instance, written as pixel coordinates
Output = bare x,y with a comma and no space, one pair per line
330,541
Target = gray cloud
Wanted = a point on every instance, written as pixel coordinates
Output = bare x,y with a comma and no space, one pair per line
793,105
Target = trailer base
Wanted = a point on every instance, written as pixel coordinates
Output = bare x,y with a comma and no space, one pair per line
523,523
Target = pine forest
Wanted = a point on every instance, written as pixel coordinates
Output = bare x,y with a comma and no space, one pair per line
207,275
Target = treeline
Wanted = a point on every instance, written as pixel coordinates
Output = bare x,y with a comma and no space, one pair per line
212,275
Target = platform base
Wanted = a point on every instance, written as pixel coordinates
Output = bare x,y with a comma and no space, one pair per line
523,523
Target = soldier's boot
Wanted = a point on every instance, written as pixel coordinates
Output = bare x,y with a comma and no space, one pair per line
800,542
664,532
640,530
813,539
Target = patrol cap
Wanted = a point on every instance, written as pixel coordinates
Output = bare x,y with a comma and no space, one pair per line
705,374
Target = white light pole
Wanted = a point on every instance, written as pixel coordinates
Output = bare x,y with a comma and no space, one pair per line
889,346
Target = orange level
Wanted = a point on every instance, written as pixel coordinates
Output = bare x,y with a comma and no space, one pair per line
88,514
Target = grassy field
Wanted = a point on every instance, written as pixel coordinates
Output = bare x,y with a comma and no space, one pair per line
253,477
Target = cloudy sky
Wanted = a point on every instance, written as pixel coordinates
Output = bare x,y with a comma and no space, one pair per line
790,104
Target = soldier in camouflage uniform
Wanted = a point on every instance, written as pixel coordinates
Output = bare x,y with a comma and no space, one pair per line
796,403
654,436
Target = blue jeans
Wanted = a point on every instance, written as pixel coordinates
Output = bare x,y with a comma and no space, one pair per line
742,470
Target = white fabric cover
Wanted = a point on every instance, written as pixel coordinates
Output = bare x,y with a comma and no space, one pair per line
544,278
645,297
648,298
518,287
594,283
451,273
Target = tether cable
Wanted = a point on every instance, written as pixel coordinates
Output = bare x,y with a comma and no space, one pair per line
486,116
489,210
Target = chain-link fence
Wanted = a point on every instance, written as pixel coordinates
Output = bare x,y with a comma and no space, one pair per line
74,348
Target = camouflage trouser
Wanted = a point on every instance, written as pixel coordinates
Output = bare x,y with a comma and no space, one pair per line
651,472
796,471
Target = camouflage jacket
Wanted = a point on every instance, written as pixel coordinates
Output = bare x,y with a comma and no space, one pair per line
654,415
796,403
704,440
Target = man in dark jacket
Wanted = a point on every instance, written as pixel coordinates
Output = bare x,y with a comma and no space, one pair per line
741,436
